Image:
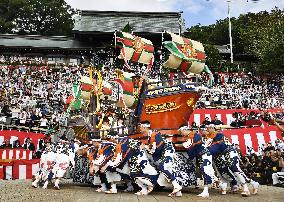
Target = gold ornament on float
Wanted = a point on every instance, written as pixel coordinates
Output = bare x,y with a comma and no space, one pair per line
159,108
189,102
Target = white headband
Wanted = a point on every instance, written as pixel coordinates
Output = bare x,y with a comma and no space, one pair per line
96,140
184,128
112,137
145,125
76,140
211,126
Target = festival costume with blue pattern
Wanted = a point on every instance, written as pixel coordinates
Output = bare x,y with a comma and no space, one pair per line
163,156
196,149
162,152
231,159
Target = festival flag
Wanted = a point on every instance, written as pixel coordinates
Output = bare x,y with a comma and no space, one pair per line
107,88
136,49
76,104
106,92
87,86
186,55
127,28
76,90
211,77
129,95
69,99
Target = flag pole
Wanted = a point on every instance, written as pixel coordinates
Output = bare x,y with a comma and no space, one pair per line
115,38
161,56
230,31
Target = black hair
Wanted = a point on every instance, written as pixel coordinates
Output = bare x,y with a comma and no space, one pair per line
183,125
105,119
145,122
120,117
112,133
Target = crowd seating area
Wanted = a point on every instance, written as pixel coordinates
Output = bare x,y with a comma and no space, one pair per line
237,91
263,168
33,97
232,118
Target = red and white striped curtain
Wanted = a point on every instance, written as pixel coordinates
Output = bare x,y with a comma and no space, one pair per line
19,169
245,137
16,154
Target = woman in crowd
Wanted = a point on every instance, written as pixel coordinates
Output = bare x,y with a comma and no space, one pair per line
17,144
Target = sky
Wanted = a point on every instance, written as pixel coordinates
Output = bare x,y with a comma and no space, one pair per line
204,12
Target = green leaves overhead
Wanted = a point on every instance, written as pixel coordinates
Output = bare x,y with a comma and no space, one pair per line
264,37
258,34
45,17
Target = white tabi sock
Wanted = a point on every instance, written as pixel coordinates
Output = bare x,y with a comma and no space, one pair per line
176,184
245,186
57,183
113,187
104,188
45,184
35,183
205,190
139,182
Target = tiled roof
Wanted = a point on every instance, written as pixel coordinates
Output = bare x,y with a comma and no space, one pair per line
36,41
223,49
109,21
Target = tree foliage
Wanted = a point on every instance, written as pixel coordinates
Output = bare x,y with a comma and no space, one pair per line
264,37
260,34
8,13
45,17
213,56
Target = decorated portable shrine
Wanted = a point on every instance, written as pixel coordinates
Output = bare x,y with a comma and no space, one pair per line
129,83
133,92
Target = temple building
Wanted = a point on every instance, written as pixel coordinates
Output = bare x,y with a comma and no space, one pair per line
94,37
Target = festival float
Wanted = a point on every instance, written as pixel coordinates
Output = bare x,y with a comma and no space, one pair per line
133,91
167,104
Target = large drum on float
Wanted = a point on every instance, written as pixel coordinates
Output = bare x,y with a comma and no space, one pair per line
186,55
129,95
87,87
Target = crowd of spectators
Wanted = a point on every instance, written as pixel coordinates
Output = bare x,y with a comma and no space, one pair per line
267,165
248,119
35,97
237,91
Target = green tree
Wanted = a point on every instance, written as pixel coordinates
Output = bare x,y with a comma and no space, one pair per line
213,56
220,34
260,35
200,33
264,37
45,17
8,13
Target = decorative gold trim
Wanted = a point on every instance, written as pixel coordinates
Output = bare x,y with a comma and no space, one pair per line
189,102
159,108
188,50
138,45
